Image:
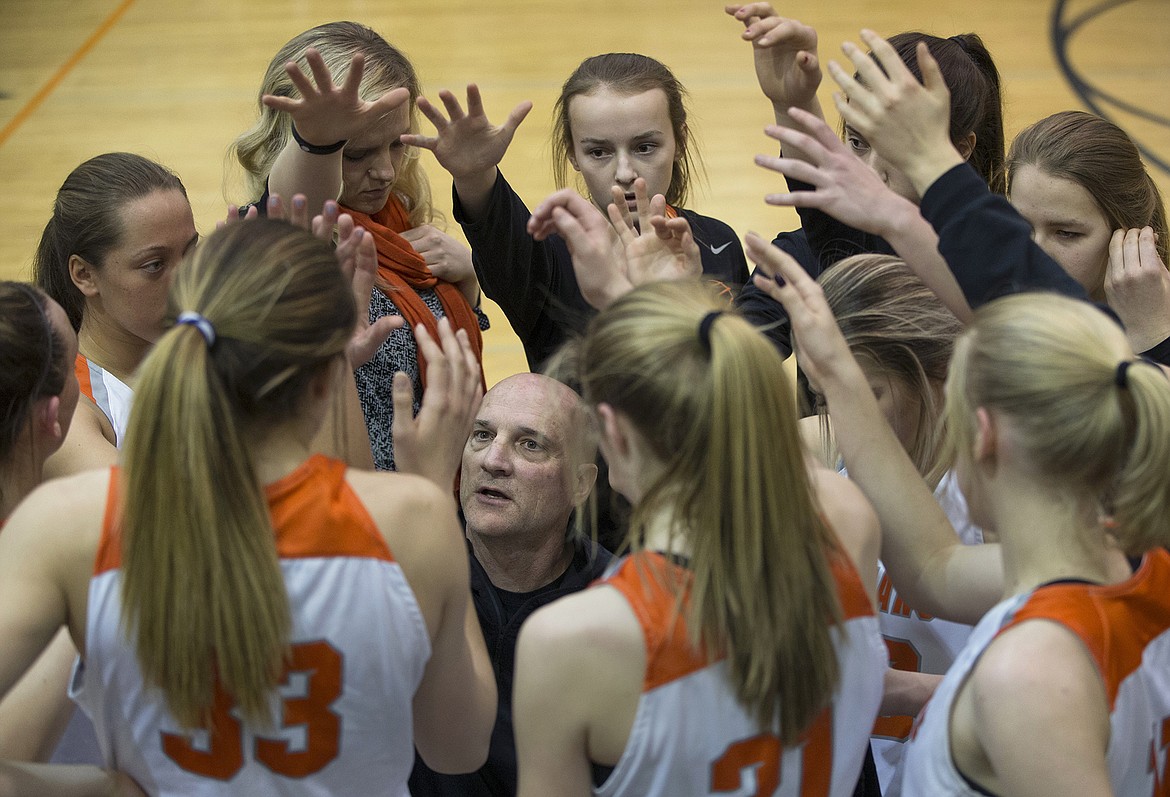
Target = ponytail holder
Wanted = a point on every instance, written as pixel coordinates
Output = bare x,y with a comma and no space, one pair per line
1121,375
200,323
705,329
962,45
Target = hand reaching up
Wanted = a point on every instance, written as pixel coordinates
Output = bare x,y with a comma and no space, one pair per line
326,114
611,257
358,258
466,144
431,443
785,53
658,248
823,351
844,187
907,122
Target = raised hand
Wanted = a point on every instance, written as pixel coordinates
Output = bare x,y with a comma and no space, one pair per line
466,144
431,443
1137,287
823,351
785,53
326,114
907,122
845,187
658,248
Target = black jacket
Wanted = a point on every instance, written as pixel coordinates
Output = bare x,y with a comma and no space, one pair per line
533,282
497,777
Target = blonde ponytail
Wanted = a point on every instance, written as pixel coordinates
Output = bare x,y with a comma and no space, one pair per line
203,595
718,412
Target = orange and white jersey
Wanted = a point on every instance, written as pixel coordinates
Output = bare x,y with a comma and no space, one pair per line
1126,629
341,722
111,395
691,736
918,642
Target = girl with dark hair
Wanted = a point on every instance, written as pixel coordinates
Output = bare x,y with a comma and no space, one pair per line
121,225
620,116
1080,182
38,387
38,394
789,72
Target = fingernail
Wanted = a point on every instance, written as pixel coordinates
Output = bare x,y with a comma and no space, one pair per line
780,280
298,202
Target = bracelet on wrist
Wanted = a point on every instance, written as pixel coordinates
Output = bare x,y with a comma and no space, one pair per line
316,149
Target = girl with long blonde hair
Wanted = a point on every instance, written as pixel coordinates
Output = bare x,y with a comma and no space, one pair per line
738,634
337,137
225,584
1061,439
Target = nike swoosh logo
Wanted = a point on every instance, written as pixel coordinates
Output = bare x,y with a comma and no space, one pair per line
717,249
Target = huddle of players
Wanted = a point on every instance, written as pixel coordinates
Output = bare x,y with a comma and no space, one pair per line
1005,449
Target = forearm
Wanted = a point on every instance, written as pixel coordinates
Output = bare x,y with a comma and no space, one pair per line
905,693
21,779
783,119
514,270
295,171
916,242
474,191
925,169
469,287
987,245
466,687
33,716
917,539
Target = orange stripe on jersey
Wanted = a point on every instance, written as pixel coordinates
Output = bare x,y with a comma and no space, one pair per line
109,552
317,513
851,592
81,368
651,585
1115,622
314,511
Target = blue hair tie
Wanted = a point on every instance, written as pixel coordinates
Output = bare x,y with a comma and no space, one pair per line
200,323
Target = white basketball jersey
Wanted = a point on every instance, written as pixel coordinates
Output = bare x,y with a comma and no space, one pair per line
1126,629
691,736
342,720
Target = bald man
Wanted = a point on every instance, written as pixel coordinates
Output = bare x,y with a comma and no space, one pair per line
529,462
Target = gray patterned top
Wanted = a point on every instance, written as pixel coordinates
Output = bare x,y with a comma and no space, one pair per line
375,378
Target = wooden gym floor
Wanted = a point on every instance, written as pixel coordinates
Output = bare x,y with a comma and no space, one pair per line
176,81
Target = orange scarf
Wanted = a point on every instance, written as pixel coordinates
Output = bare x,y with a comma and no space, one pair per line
402,272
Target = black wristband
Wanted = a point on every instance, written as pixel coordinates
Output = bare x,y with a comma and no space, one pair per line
315,149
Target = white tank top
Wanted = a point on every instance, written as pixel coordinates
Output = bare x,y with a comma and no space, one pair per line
691,736
1126,629
342,721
